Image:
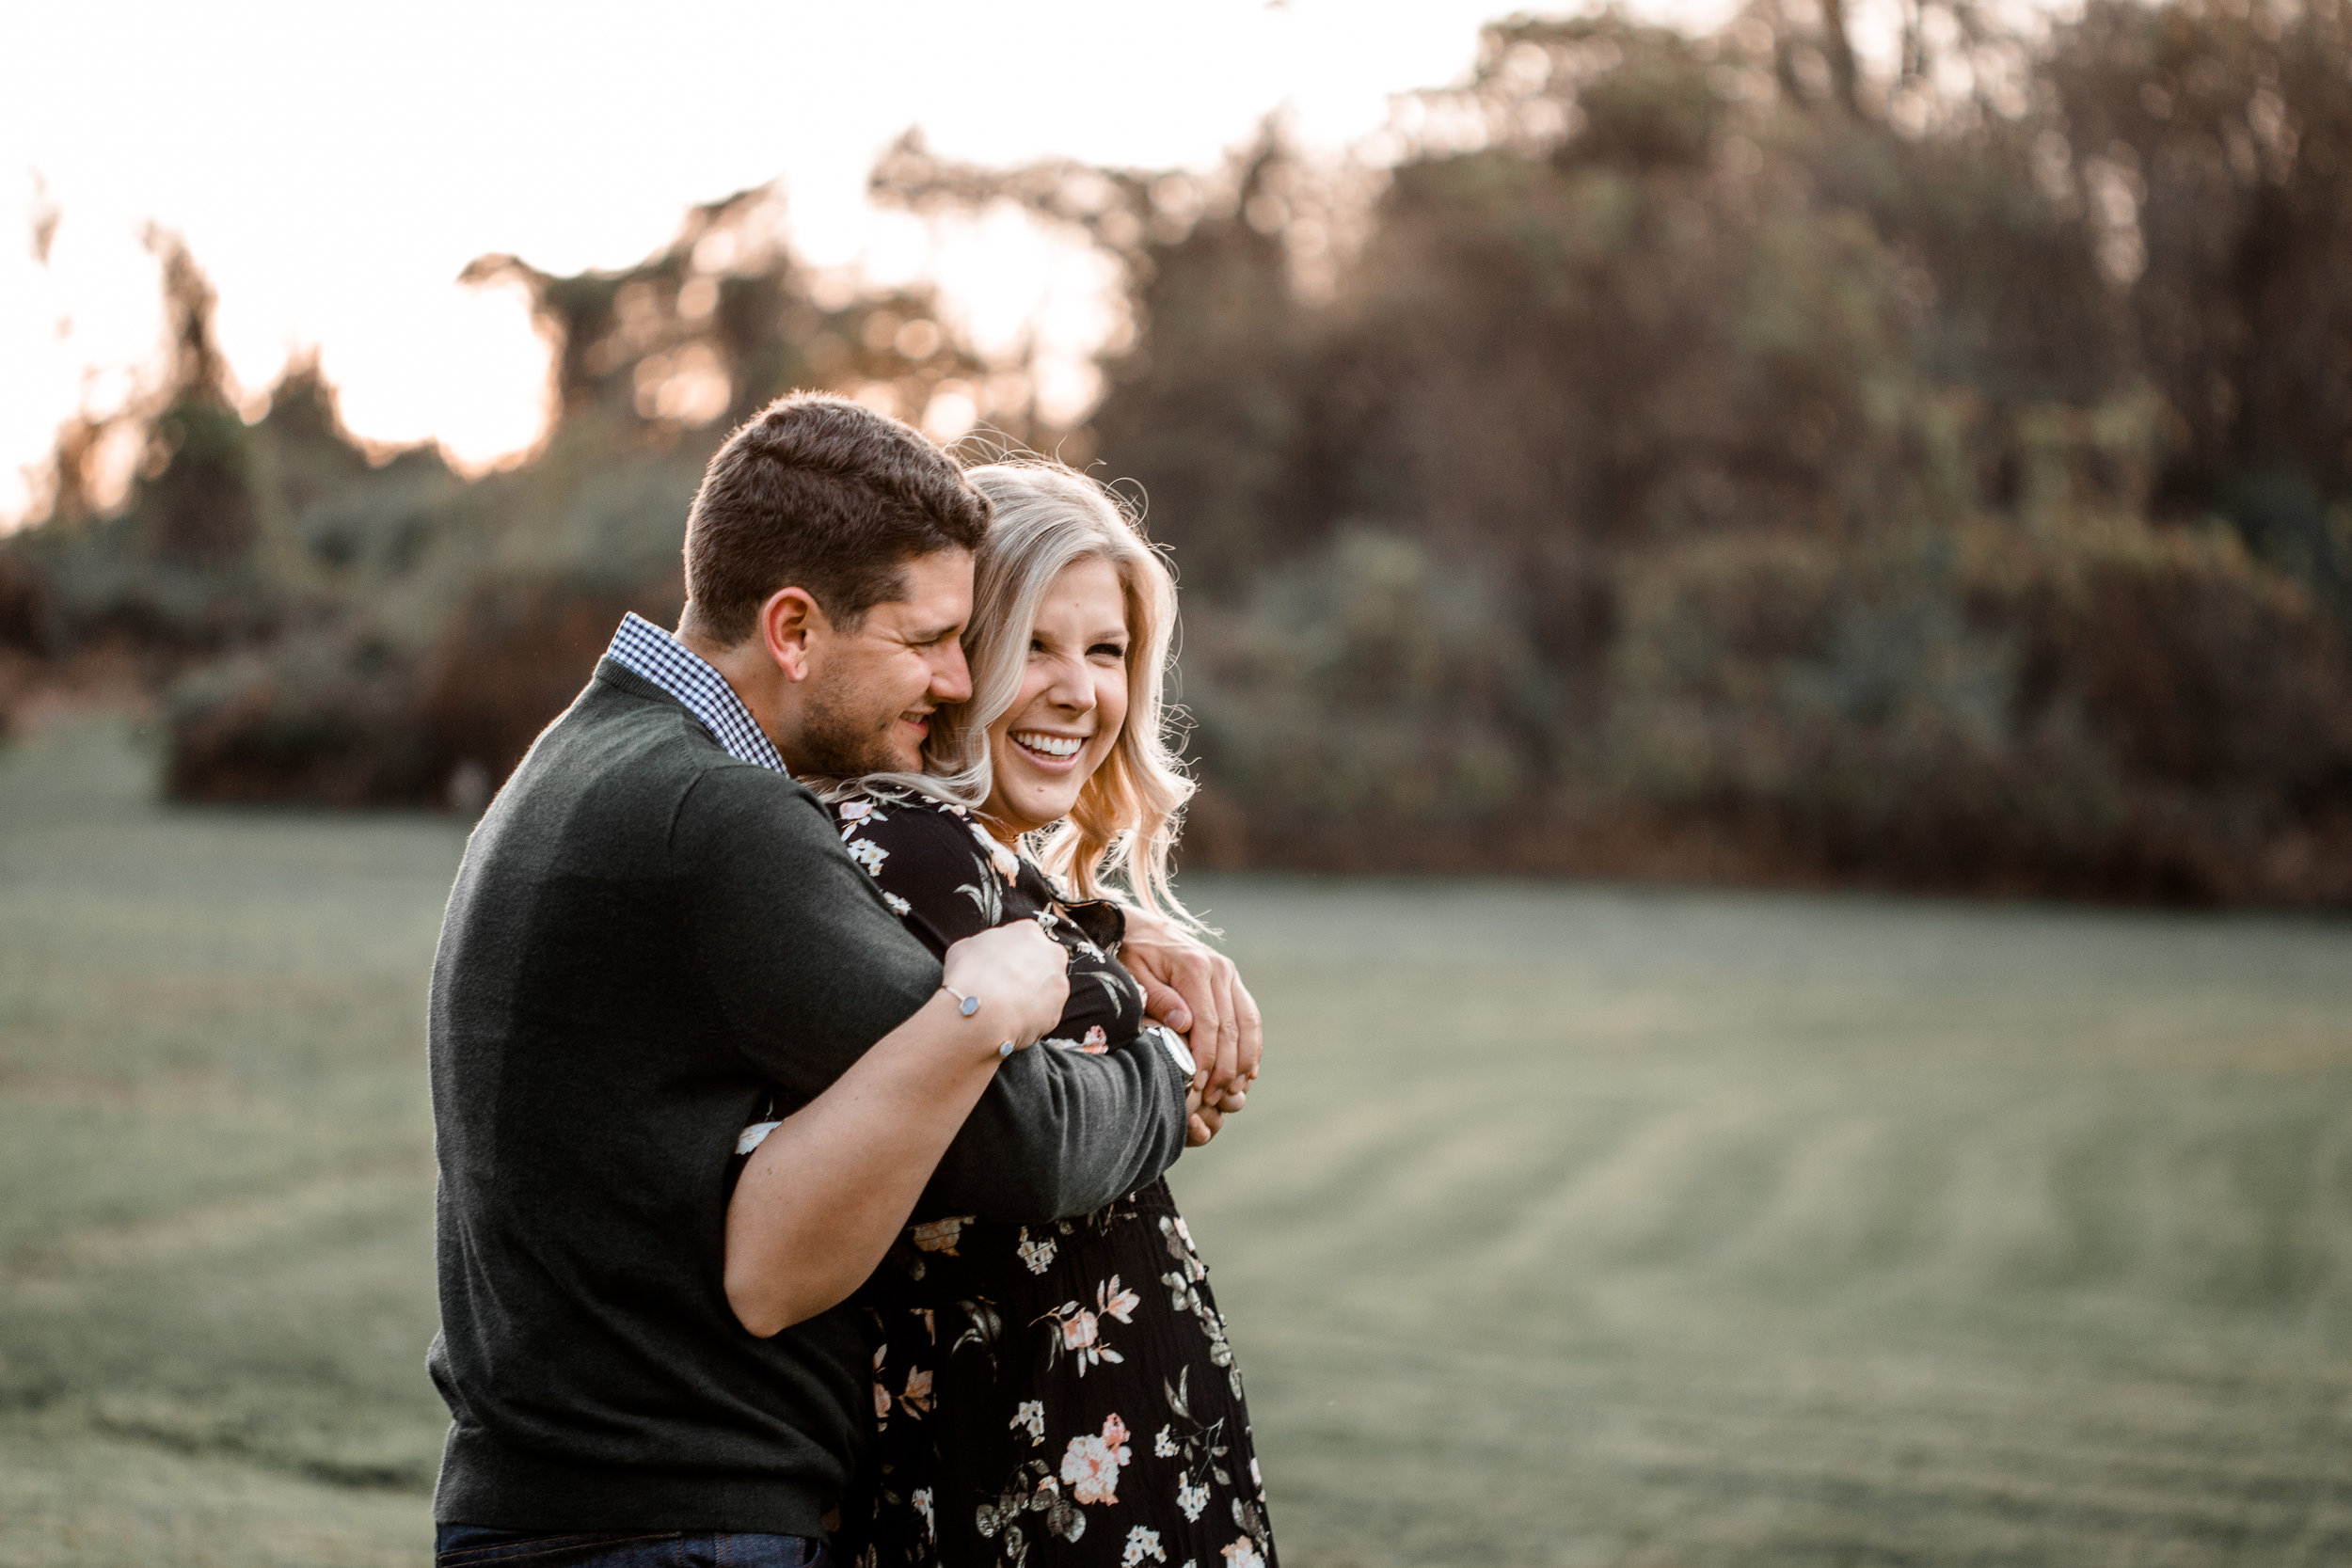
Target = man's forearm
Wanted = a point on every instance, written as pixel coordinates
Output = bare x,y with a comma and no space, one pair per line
1060,1132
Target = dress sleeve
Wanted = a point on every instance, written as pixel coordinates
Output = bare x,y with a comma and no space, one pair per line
937,870
1058,1132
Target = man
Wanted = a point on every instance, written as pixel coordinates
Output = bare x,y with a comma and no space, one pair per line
654,931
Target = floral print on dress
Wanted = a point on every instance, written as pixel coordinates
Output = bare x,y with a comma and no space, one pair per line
1000,859
1079,1331
1080,1406
939,1235
988,899
914,1398
1095,1042
1185,1295
1089,1466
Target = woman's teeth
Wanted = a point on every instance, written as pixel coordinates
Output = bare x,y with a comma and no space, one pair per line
1048,745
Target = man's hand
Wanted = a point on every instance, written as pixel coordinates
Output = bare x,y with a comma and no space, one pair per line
1199,993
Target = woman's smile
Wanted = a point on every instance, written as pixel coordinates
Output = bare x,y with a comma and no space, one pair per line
1072,703
1054,753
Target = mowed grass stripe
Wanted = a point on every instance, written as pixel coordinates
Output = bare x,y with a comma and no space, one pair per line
1896,1232
1569,1226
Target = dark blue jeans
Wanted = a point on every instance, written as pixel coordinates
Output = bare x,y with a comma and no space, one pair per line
472,1547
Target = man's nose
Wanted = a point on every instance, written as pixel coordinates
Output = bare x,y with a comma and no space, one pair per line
951,677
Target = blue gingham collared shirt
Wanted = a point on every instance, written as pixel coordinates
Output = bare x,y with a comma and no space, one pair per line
645,649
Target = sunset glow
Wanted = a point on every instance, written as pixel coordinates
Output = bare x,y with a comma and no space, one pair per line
332,174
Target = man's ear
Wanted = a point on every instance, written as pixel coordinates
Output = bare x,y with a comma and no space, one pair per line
790,621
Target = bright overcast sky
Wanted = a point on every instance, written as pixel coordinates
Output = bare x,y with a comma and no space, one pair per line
332,168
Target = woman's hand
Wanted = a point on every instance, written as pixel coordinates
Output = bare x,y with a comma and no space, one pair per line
1205,1118
1020,976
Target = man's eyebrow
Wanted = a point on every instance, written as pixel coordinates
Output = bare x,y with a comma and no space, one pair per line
934,633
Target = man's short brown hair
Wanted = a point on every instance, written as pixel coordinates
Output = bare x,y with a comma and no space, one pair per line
819,493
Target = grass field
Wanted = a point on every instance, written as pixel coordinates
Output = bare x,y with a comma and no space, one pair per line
1570,1225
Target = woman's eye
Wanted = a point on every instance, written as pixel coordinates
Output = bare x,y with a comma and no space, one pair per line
1108,650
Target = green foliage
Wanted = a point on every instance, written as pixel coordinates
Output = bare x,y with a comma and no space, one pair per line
2119,709
1680,440
2220,134
1365,681
1837,460
350,627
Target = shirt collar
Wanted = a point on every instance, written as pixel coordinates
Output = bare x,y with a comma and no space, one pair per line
645,649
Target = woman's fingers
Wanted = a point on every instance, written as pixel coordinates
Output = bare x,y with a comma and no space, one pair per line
1149,955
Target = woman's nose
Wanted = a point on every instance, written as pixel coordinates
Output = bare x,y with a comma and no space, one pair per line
1070,689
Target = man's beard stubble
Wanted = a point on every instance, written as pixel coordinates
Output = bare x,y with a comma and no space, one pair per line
843,740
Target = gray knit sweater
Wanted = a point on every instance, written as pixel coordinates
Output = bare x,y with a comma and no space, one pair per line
648,939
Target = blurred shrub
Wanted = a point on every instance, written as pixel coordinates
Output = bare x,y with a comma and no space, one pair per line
1847,475
1365,685
316,721
344,628
2115,711
1692,453
513,657
23,604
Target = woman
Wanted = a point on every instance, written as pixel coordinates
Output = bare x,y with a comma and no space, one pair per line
1065,1393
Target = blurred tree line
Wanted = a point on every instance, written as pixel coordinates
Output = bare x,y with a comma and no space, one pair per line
339,627
1668,454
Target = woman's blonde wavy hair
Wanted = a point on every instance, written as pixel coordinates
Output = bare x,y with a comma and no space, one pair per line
1049,517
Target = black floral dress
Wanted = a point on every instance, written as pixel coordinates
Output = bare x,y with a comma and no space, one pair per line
1054,1394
